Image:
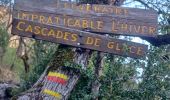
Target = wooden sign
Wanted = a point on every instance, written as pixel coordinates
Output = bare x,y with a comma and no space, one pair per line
114,11
78,38
95,9
95,18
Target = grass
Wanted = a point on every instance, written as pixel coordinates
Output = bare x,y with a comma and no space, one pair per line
10,59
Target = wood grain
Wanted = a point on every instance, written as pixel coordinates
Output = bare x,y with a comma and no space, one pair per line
78,38
113,20
94,9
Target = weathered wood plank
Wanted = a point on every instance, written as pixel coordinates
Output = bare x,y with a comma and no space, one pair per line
78,38
94,24
134,22
107,10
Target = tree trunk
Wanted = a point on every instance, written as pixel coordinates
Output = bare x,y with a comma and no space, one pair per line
98,73
57,81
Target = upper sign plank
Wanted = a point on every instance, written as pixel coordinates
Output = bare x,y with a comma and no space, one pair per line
94,24
78,38
108,19
106,10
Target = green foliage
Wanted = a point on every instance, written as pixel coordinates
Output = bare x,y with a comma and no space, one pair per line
82,91
63,57
119,81
40,57
114,81
154,82
10,58
4,38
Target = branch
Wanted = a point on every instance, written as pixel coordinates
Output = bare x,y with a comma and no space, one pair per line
145,4
158,40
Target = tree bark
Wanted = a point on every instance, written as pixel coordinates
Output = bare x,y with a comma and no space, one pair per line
23,54
98,73
48,89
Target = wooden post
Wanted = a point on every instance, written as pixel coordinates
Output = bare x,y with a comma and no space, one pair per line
99,64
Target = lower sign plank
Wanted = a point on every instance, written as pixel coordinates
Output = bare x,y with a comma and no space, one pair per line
78,38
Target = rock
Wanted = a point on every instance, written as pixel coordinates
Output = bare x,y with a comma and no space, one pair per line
7,76
25,97
30,96
5,89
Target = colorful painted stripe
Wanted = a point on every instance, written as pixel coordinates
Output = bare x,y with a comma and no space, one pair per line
52,93
58,75
57,80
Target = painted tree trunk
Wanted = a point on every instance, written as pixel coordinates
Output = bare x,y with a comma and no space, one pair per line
57,81
59,84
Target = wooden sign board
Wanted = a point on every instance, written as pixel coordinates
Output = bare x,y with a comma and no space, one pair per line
95,9
95,18
114,11
78,38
